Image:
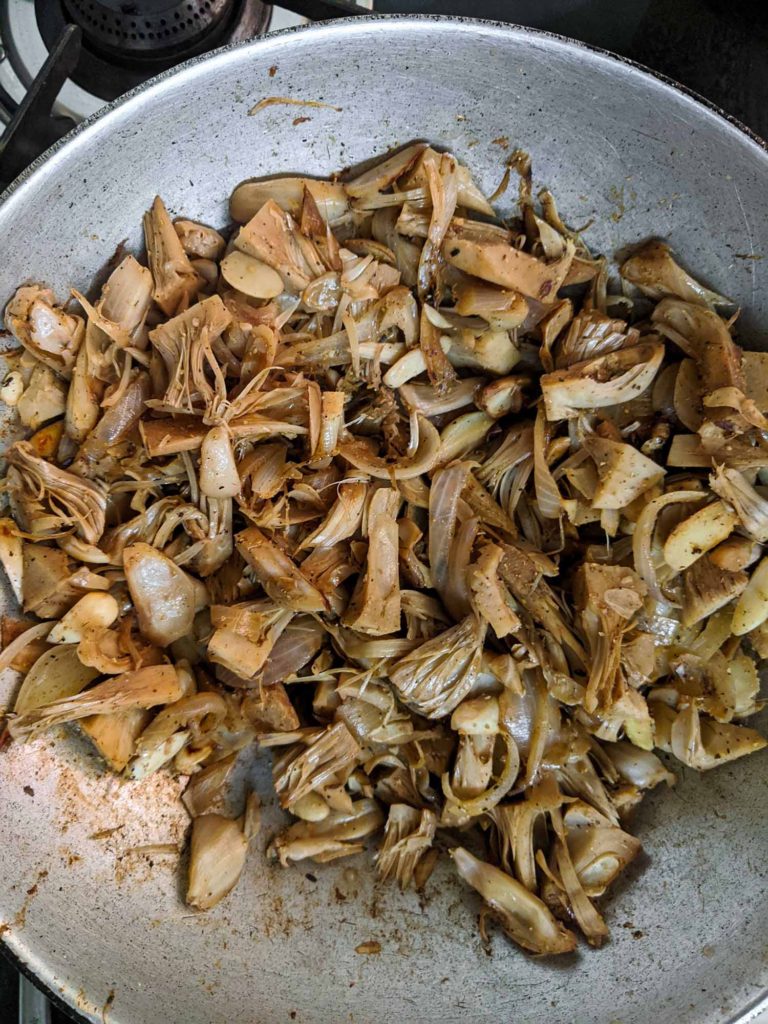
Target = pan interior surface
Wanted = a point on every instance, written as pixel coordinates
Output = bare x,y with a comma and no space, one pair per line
90,897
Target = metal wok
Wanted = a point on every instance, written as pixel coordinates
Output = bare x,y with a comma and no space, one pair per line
100,923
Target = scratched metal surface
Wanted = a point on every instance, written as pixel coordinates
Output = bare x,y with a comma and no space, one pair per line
100,921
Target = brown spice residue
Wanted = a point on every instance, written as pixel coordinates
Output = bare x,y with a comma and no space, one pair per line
105,833
107,1005
72,801
277,921
370,948
502,141
273,71
21,916
620,196
300,120
137,863
374,908
93,802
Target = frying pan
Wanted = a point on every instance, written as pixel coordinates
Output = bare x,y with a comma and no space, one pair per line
89,894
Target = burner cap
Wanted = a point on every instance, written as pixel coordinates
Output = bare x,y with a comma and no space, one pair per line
146,28
125,42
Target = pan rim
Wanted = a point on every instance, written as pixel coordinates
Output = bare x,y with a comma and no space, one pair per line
101,119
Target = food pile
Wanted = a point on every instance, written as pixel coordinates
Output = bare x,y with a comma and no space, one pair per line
419,499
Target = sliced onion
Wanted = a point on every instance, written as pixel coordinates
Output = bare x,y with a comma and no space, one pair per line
145,688
456,594
663,391
300,642
444,494
463,434
686,395
56,674
495,793
23,640
358,453
548,497
642,538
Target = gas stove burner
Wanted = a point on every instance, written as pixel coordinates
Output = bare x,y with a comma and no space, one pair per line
125,43
146,28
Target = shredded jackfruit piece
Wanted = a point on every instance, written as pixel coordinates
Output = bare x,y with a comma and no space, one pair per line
402,496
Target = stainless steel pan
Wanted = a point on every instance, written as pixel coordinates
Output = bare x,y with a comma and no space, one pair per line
101,923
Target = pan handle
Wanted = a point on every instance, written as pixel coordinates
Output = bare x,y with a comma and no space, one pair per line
34,1008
